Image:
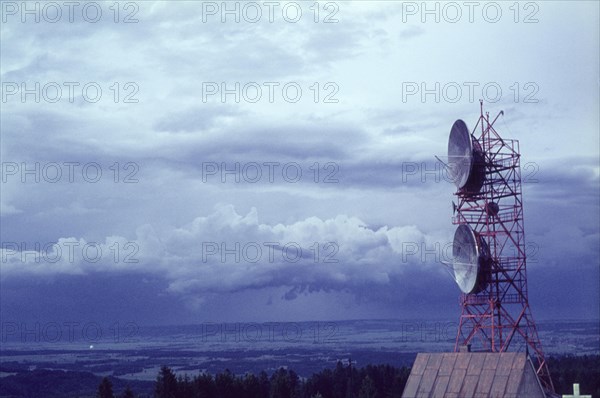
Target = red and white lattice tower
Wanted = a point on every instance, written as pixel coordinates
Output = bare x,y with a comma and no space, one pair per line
496,315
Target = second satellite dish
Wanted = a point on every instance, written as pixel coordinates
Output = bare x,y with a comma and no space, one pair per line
470,260
465,159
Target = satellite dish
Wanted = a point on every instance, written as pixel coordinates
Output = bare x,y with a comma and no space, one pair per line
470,260
465,158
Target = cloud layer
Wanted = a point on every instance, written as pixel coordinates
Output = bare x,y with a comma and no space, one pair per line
161,170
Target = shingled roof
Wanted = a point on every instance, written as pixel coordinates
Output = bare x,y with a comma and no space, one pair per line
473,374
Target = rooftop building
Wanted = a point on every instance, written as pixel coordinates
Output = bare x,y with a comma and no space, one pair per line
473,375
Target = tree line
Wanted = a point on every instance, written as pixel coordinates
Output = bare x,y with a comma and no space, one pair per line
344,381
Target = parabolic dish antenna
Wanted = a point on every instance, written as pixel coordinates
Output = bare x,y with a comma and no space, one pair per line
465,159
470,260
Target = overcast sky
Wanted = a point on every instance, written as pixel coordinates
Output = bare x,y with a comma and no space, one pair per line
175,162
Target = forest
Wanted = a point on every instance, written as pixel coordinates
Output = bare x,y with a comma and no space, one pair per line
344,381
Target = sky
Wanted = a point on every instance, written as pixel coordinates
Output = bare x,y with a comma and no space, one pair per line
184,162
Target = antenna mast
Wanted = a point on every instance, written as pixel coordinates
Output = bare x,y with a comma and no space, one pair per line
496,311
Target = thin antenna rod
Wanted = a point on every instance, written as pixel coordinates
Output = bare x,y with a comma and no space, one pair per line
442,162
500,114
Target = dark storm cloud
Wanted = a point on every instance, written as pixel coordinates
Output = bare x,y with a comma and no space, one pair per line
191,257
94,298
575,179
